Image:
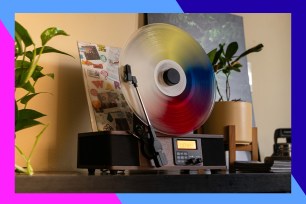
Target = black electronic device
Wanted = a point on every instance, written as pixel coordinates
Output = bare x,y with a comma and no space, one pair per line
282,149
120,150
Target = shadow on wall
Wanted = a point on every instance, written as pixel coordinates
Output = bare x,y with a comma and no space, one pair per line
73,116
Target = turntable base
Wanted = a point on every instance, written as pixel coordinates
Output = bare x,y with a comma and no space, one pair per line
149,183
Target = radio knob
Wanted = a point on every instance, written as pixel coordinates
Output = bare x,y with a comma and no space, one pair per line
191,161
198,161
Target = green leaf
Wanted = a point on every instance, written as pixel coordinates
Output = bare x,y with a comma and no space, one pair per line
28,86
256,48
26,98
222,62
26,119
226,70
18,73
23,34
236,67
47,49
37,74
23,124
29,114
51,75
22,64
218,54
16,113
211,55
231,50
18,45
22,70
49,33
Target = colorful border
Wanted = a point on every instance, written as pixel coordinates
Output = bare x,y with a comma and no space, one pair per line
9,8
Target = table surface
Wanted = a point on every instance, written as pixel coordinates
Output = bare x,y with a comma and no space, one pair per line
154,183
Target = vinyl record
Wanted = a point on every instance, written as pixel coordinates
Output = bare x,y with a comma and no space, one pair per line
175,78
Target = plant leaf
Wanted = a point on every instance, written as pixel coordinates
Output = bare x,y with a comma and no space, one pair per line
226,70
23,124
29,114
222,62
28,86
218,54
231,50
27,98
37,74
256,48
18,45
23,34
49,33
22,64
47,49
211,55
16,113
18,73
236,67
51,75
26,119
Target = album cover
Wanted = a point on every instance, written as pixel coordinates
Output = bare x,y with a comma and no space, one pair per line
107,106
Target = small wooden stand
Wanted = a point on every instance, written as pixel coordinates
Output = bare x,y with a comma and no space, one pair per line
232,146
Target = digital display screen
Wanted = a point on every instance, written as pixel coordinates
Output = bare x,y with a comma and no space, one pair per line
186,144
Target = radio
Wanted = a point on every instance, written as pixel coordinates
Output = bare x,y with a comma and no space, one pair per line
120,150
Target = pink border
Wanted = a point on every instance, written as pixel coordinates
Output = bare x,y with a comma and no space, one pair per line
7,175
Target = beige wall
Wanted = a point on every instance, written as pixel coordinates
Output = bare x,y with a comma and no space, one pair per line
67,108
271,74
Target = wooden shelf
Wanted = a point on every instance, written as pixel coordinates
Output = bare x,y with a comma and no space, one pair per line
149,183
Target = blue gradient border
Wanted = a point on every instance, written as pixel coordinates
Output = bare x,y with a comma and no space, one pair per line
9,8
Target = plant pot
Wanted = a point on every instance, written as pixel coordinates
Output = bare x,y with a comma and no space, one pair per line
230,113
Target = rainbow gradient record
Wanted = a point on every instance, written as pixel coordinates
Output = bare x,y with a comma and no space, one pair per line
175,78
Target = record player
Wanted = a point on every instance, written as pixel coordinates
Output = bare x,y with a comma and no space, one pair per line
168,82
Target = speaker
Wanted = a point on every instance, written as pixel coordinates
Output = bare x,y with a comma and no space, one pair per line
213,151
101,149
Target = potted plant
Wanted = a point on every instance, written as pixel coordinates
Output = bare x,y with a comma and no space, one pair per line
229,111
27,74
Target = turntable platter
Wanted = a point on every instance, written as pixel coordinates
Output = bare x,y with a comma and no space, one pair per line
175,78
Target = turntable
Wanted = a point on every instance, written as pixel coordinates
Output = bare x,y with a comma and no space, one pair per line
168,82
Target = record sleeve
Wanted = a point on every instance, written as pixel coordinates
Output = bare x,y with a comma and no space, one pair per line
107,106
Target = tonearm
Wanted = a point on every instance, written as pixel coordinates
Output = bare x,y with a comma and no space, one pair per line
151,146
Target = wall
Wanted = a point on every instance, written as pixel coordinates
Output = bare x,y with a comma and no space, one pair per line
271,70
66,109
